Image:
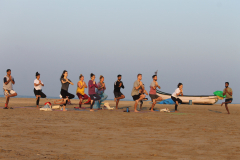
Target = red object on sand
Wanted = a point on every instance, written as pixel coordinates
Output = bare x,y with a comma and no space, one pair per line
48,103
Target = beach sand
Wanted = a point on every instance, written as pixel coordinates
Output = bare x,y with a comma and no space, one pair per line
198,132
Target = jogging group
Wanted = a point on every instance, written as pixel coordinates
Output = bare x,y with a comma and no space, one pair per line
96,91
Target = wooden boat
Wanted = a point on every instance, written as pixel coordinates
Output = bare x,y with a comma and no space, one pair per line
202,99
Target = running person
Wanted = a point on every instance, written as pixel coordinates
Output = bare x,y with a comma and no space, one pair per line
66,96
152,93
137,85
100,91
81,85
91,91
175,95
117,93
228,92
8,81
38,89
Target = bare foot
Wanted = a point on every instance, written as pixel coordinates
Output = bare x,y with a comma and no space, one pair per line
64,110
54,102
152,110
116,107
91,110
135,111
37,106
176,111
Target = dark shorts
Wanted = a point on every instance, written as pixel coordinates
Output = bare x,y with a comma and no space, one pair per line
227,100
153,96
176,99
136,97
37,92
65,94
117,94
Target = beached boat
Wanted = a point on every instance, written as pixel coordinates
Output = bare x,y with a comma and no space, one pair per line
202,99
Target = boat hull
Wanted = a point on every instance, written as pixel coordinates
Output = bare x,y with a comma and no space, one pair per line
208,100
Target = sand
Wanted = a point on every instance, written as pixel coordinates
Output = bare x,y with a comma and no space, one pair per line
200,132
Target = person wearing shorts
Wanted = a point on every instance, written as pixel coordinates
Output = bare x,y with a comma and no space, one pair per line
175,95
38,84
152,93
80,91
8,91
137,96
228,92
117,93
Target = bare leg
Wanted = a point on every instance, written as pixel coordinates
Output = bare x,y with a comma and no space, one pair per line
117,103
226,106
118,99
63,101
154,102
8,98
140,106
91,105
80,103
64,108
136,102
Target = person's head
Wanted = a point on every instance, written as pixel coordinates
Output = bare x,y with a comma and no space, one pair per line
154,77
139,76
101,78
37,75
119,77
81,77
226,84
92,76
64,74
9,72
180,85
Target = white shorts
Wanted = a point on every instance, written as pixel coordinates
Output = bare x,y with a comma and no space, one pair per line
8,92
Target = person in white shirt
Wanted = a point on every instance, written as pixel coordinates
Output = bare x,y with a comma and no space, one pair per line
8,81
178,92
38,84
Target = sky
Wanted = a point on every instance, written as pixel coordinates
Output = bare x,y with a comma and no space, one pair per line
195,42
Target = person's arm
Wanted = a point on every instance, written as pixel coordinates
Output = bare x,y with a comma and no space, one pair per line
12,79
85,85
122,85
79,85
90,84
224,92
5,80
40,83
230,93
137,87
64,81
69,81
145,92
99,86
180,93
104,87
158,85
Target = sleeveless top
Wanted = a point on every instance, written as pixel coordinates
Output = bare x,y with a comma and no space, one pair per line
81,91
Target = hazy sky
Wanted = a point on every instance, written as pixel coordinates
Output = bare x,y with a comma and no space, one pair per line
195,42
